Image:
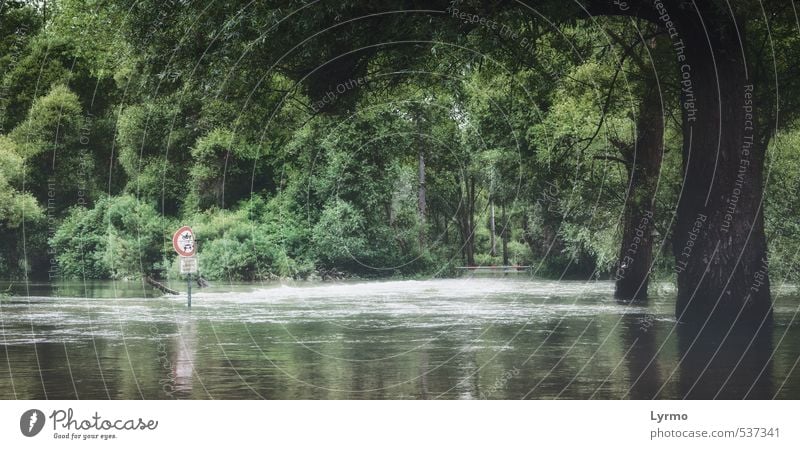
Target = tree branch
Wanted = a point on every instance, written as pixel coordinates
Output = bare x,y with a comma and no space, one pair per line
608,157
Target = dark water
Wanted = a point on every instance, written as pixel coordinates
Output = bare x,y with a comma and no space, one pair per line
471,338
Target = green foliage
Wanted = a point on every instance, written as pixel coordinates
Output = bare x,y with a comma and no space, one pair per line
14,204
338,236
225,170
154,140
111,101
137,240
60,170
782,226
81,242
53,123
120,237
259,240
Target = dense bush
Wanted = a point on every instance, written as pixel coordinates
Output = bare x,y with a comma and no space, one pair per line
151,138
14,204
338,237
782,205
80,243
258,240
120,237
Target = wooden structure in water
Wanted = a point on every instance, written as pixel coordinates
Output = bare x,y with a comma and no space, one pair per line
201,282
491,269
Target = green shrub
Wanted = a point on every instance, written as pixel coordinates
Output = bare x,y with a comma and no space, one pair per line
120,237
338,237
80,243
259,240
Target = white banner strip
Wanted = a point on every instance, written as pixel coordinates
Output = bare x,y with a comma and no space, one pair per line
399,424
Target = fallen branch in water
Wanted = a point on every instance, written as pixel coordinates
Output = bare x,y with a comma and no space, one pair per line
160,286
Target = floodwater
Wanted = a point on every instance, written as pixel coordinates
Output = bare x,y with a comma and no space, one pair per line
495,338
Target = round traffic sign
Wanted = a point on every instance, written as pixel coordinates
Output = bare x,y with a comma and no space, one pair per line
183,241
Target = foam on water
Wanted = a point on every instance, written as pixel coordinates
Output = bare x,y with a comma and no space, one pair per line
431,289
362,305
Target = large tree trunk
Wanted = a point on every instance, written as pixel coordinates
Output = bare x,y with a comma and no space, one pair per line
719,241
643,163
421,202
504,234
492,230
467,221
471,222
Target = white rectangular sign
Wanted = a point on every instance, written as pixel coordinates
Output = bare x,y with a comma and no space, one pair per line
188,265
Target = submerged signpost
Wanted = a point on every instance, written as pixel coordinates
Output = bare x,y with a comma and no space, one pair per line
184,244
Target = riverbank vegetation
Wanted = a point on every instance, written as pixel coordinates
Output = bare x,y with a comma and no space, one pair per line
507,141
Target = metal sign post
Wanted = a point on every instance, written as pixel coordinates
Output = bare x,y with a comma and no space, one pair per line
189,266
184,244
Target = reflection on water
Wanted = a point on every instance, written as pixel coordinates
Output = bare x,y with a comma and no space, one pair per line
718,364
638,337
468,338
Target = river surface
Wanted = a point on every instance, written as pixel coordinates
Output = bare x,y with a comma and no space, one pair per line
494,338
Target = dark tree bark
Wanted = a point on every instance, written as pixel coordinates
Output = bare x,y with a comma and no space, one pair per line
722,273
718,240
643,163
466,221
421,201
470,222
504,234
492,230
